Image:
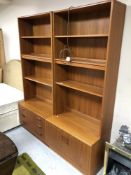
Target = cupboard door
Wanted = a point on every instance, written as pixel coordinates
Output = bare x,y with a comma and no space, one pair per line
51,136
68,147
73,150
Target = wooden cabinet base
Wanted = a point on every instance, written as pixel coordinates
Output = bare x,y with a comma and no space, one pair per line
88,159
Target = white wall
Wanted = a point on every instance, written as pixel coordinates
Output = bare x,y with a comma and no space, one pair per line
8,22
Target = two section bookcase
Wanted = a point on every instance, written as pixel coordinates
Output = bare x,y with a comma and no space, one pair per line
69,104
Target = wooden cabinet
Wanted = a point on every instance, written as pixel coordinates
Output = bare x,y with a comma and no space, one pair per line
71,103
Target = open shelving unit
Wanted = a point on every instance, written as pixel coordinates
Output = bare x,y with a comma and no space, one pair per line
80,82
83,85
36,55
69,104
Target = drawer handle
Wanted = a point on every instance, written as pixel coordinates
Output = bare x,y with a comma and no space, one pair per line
38,118
23,116
39,133
39,126
65,140
23,123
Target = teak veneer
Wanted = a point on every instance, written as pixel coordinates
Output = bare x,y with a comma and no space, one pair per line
69,105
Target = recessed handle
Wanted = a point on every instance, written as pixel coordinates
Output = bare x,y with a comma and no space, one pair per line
23,116
38,118
65,140
39,126
39,133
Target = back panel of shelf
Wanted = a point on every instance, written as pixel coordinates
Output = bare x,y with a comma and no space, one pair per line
33,90
83,21
39,25
78,89
80,75
37,69
82,49
36,47
82,103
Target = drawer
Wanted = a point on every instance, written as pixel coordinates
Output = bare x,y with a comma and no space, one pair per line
26,121
32,122
39,130
24,111
38,121
69,147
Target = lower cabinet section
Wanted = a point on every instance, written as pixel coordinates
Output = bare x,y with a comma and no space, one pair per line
32,122
76,152
68,147
86,158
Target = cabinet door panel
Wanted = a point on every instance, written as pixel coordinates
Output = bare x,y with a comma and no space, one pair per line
68,147
51,136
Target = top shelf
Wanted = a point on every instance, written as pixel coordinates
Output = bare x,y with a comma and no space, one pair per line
83,36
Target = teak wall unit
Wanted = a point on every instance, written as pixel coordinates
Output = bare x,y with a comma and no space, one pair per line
69,105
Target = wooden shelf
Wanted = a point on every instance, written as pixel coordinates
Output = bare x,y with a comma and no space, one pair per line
39,80
83,36
89,63
37,57
33,37
85,129
40,107
93,90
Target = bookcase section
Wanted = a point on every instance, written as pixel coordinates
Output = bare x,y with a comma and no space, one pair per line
70,60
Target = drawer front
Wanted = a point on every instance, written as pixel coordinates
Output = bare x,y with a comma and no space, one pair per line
25,118
68,147
32,122
39,129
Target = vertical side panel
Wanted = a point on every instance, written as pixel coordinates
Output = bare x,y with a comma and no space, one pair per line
113,57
